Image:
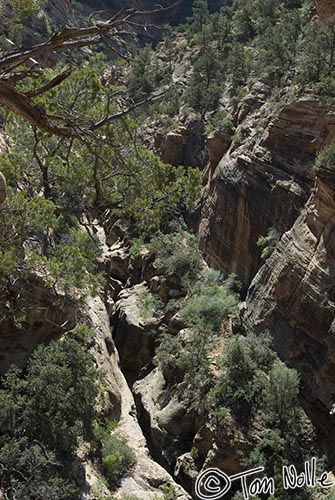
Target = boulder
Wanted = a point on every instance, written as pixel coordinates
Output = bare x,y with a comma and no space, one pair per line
134,333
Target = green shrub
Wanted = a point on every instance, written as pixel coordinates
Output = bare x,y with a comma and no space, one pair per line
326,156
148,304
236,387
222,122
45,411
168,352
178,254
326,85
211,300
268,243
117,458
262,393
209,308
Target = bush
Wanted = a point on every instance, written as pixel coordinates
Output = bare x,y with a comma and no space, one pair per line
268,243
326,85
61,388
178,254
262,393
45,411
147,303
236,389
222,122
117,458
207,309
326,156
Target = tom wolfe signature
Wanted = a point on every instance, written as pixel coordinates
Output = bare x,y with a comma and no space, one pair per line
213,484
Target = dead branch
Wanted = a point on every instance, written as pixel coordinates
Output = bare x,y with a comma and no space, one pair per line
50,85
112,33
125,112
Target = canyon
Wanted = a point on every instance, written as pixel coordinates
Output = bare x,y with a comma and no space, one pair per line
264,175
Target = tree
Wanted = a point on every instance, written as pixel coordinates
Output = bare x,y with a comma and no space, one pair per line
200,16
317,52
221,27
204,91
243,21
278,45
236,388
17,67
76,165
45,411
145,75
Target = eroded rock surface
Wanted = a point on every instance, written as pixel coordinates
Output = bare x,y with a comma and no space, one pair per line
32,313
263,183
293,299
148,477
134,331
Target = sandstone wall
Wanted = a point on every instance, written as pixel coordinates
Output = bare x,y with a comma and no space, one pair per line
293,298
263,183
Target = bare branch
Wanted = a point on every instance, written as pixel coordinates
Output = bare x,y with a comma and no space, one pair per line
110,32
50,85
125,112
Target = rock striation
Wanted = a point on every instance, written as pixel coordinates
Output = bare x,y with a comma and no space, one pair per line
262,183
293,299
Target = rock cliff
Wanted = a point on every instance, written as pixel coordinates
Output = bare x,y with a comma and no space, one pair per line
263,183
293,299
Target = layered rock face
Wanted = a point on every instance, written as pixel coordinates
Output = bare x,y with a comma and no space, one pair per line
325,9
261,184
293,298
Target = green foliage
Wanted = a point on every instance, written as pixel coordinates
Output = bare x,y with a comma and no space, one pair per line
268,243
87,177
326,85
326,156
148,304
15,13
61,388
317,49
236,388
33,237
23,9
209,303
208,306
178,254
22,217
262,392
200,16
73,261
157,191
45,411
117,457
277,46
221,122
146,75
169,492
204,90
